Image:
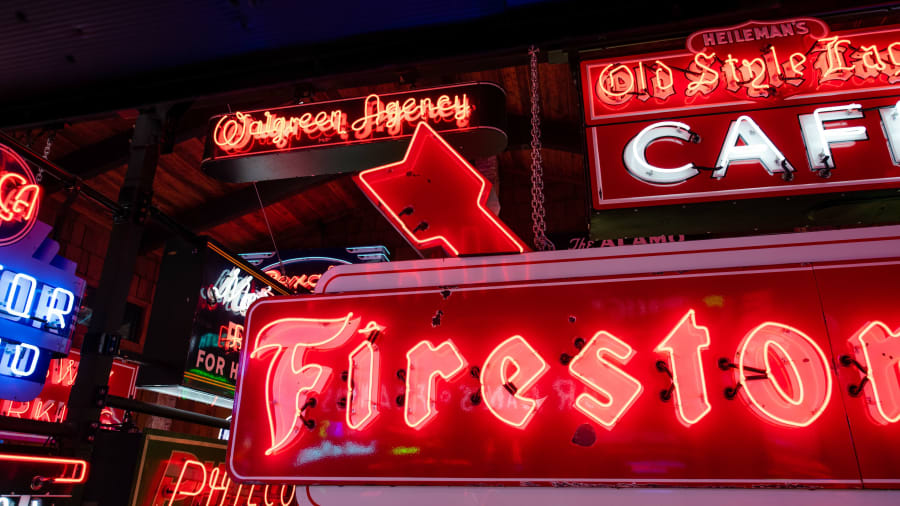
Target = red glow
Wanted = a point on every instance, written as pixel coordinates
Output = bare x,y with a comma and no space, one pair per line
291,379
440,197
807,389
618,388
424,363
503,393
76,474
237,133
200,484
362,385
683,347
878,349
850,62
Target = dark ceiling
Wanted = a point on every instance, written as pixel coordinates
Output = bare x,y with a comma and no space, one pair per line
64,59
81,70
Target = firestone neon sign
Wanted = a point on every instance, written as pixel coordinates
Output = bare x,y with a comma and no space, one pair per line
663,363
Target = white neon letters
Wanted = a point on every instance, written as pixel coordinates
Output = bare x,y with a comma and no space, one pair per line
19,296
635,156
890,121
618,388
756,148
819,139
18,292
424,363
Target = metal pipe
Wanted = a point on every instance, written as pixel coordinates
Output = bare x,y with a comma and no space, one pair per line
26,426
166,412
64,176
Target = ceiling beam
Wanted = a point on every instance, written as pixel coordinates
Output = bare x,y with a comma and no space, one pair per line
234,205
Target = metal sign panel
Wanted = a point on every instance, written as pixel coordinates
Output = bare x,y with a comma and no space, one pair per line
760,109
532,381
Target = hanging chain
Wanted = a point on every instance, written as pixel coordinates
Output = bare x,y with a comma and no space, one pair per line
538,225
47,147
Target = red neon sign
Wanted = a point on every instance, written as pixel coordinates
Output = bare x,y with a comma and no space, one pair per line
791,110
51,404
747,391
19,197
238,133
352,134
73,471
436,199
183,479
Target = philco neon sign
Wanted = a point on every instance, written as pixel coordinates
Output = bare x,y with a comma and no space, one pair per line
187,480
513,374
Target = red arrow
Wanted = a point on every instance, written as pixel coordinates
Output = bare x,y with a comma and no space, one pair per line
435,198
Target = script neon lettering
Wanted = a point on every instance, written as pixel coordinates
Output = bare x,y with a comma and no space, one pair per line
707,80
618,388
796,392
290,380
201,484
878,348
831,63
615,84
238,132
362,385
221,486
504,393
424,363
683,347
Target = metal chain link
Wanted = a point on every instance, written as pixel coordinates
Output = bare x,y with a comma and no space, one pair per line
39,175
538,225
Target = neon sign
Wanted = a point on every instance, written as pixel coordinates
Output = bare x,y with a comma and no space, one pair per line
206,292
239,133
19,197
68,471
233,291
39,299
840,90
617,370
340,135
51,404
436,199
300,270
180,470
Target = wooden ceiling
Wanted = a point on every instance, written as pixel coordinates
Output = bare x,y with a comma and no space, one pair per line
326,211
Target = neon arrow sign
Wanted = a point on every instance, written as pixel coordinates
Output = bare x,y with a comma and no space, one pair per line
436,199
